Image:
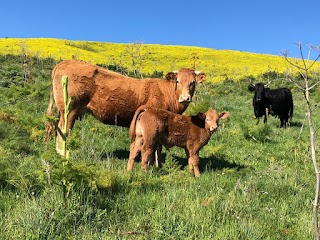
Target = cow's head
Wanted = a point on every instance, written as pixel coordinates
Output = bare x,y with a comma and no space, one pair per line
185,80
260,99
212,118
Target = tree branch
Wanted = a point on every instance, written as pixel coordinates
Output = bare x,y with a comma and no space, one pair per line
295,83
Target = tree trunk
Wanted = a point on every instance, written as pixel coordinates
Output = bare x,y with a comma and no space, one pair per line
315,164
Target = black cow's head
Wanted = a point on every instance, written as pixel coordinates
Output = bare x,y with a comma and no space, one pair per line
260,99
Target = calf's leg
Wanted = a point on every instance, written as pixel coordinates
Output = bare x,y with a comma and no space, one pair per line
193,161
147,156
135,148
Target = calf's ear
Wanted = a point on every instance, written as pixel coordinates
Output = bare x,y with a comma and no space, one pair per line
251,88
201,115
200,77
223,115
171,75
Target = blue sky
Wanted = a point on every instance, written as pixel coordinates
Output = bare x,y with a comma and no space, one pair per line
260,26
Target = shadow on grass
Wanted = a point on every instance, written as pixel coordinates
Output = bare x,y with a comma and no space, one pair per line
206,164
211,163
295,124
121,154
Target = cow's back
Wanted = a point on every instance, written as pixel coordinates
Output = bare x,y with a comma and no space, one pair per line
81,84
281,101
111,97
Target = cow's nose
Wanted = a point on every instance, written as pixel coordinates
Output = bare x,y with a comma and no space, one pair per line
184,98
213,128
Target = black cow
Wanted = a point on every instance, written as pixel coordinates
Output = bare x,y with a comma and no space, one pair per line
277,102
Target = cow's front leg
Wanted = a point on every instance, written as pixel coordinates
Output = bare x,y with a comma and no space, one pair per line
265,120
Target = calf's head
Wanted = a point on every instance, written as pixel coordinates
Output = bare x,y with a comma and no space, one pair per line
211,118
185,80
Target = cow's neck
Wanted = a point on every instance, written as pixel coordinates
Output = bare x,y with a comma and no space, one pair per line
173,96
178,107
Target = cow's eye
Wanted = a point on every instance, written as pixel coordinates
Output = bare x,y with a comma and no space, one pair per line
177,81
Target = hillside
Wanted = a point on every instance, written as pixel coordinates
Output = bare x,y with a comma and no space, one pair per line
257,180
218,64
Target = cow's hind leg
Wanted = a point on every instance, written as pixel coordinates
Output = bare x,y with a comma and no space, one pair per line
283,121
159,161
59,139
61,125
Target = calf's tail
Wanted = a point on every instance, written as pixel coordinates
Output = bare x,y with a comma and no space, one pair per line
132,130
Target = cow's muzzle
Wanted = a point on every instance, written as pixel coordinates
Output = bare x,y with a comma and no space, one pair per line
185,99
213,129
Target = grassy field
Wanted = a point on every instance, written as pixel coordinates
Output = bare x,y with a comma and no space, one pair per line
218,64
257,181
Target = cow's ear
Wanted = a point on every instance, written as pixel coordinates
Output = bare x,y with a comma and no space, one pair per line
171,75
201,115
223,115
251,88
200,77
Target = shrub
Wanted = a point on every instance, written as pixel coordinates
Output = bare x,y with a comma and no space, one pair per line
259,133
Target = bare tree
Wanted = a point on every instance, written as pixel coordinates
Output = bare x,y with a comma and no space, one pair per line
194,59
134,51
305,84
26,58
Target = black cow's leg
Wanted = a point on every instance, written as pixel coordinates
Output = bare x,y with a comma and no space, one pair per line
265,118
286,121
282,120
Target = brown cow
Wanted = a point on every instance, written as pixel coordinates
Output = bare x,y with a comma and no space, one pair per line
113,98
153,127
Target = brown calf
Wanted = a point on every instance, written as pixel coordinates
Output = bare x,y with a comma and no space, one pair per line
152,127
113,98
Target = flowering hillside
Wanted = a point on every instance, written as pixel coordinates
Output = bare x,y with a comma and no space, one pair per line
217,64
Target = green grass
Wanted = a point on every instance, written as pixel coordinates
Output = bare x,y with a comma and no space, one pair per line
257,181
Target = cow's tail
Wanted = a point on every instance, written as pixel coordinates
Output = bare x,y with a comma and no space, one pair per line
291,110
132,130
291,106
50,113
